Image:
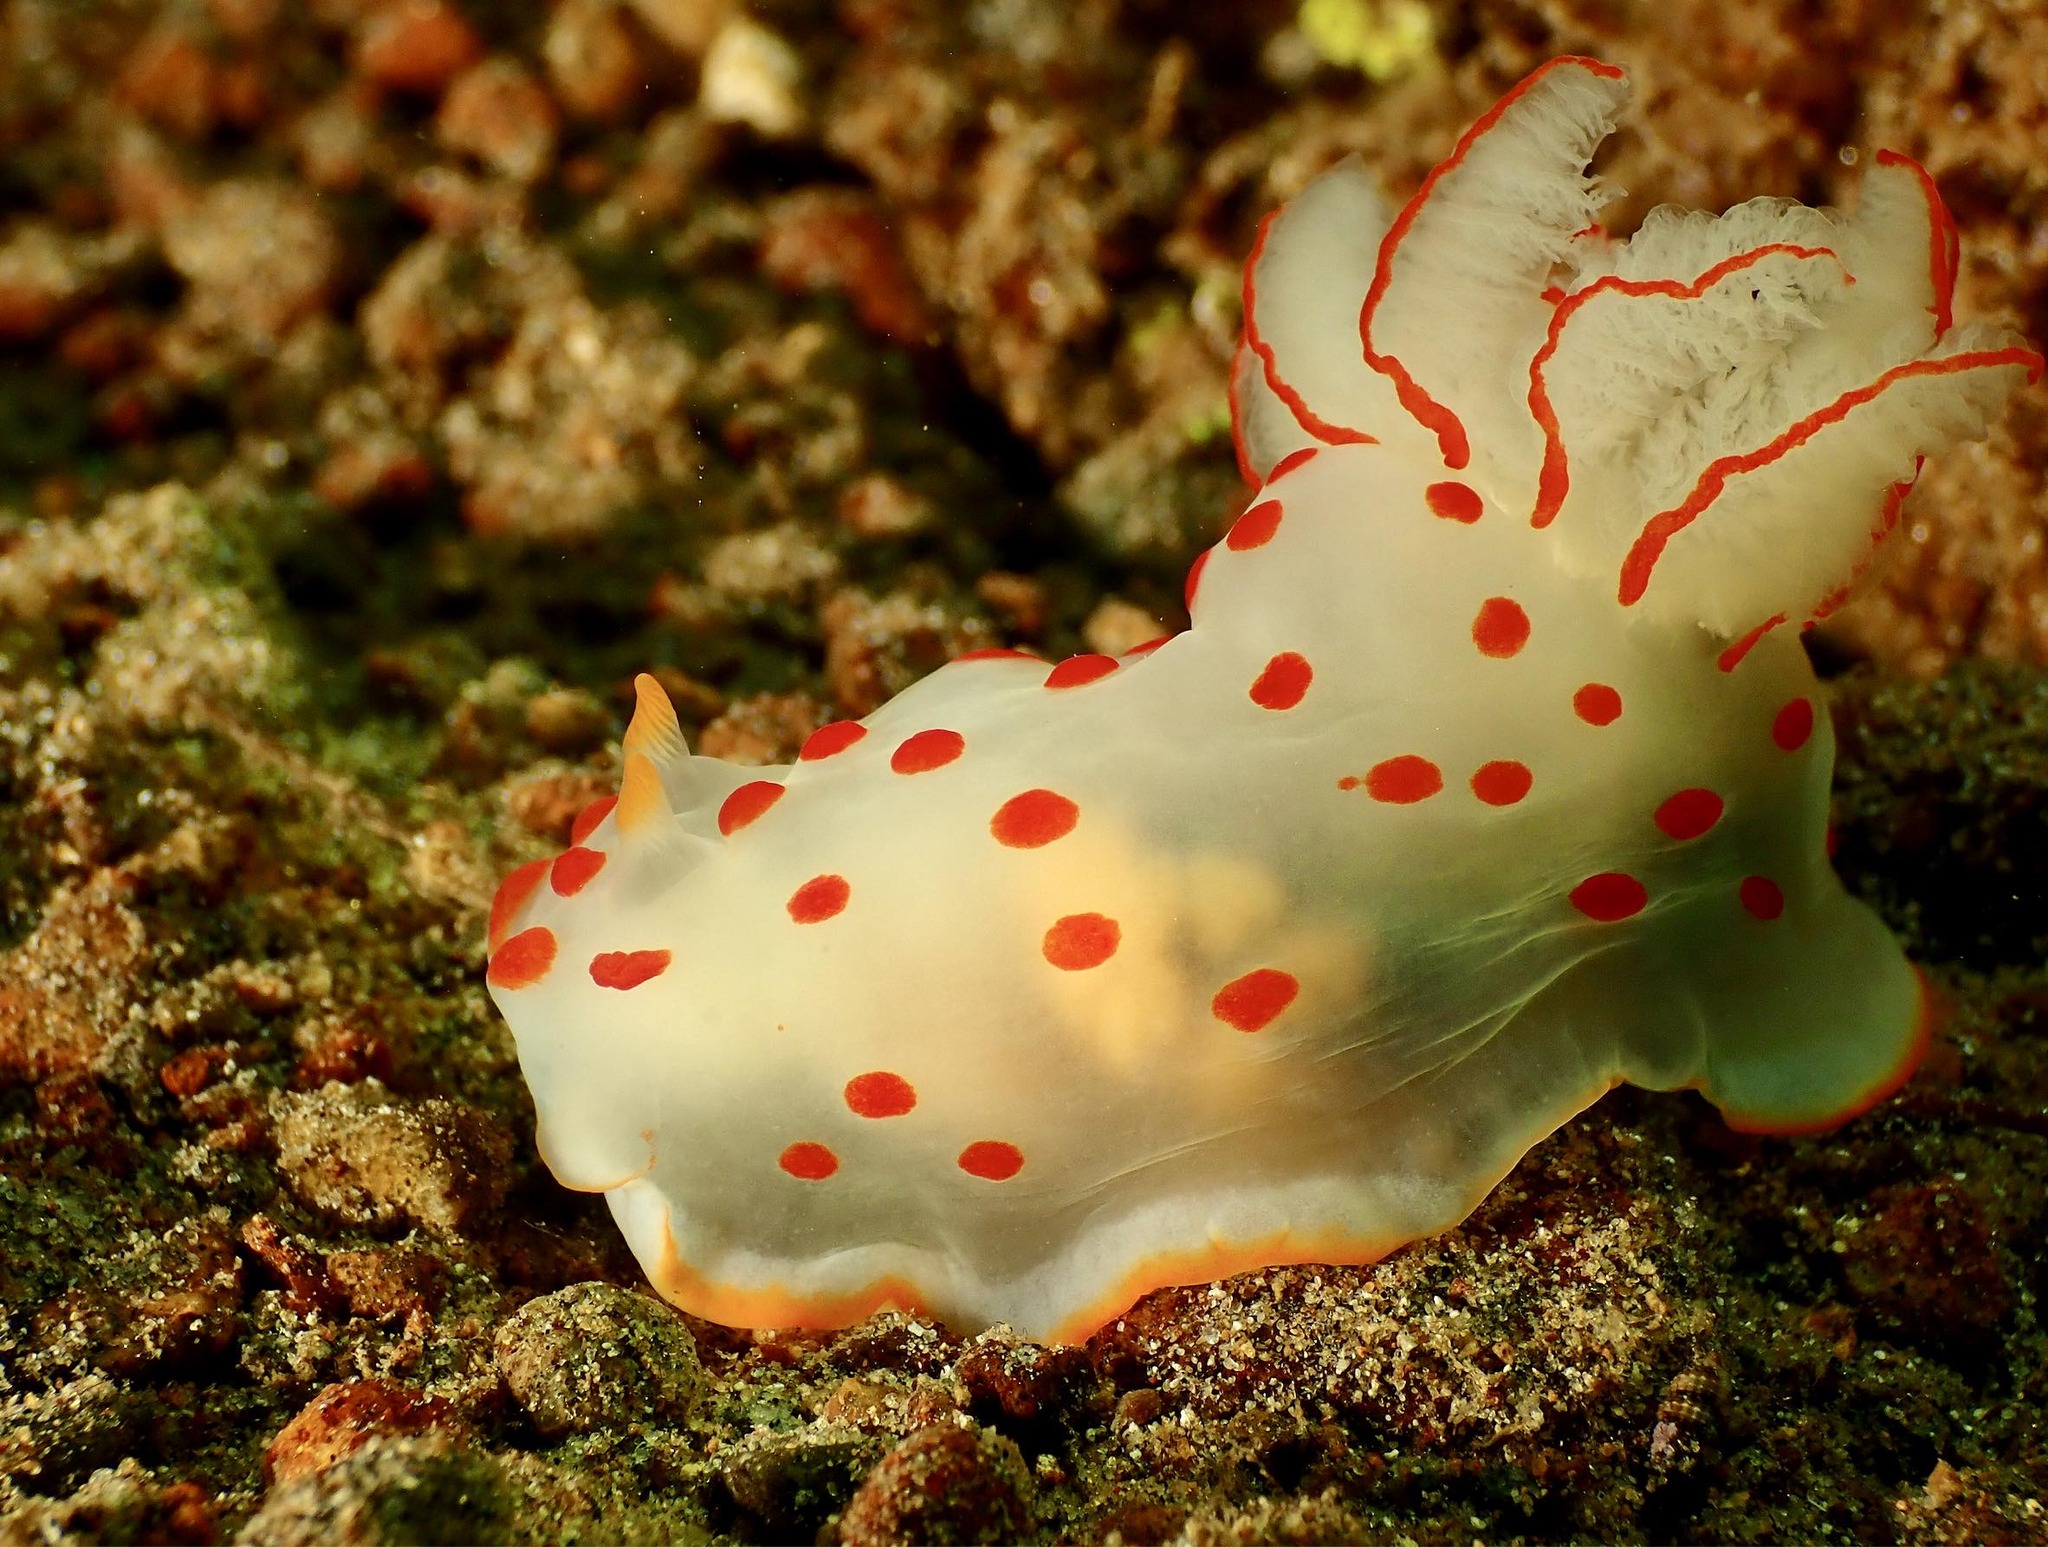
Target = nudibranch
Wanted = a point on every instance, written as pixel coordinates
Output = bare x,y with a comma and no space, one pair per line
1490,773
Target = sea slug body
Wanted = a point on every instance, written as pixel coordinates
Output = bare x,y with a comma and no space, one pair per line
1490,774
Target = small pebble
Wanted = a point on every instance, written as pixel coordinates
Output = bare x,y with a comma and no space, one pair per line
342,1419
944,1483
752,77
416,46
594,1356
499,113
593,59
357,1153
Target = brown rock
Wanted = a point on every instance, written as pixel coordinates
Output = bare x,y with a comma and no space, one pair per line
360,1155
390,1283
497,112
244,20
785,562
877,647
391,471
459,204
121,1503
876,507
862,1404
203,860
1139,1407
677,149
71,1107
342,1052
1116,626
594,1356
688,26
832,239
444,302
577,420
259,255
416,46
241,93
145,181
169,1306
101,344
944,1483
43,275
190,1072
1021,1381
371,457
593,59
335,139
423,1487
1020,600
185,1516
53,1439
567,721
1140,1524
767,728
63,991
540,1253
294,1264
792,1482
1924,1269
547,806
169,80
262,988
131,411
342,1419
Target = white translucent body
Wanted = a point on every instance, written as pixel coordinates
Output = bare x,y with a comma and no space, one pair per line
1454,1003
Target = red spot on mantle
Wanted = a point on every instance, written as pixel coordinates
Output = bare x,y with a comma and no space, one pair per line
589,818
1284,682
992,1160
808,1162
879,1093
1254,1001
927,750
627,969
1079,670
513,893
574,869
818,899
1794,723
1255,528
1689,814
1403,780
1609,897
523,960
747,803
1454,502
1081,940
1761,897
1501,628
831,740
1597,704
1033,819
1502,783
